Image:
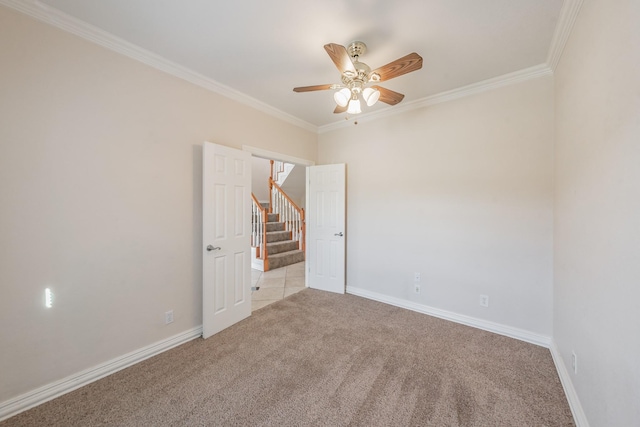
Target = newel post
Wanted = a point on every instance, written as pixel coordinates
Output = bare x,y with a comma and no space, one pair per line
271,188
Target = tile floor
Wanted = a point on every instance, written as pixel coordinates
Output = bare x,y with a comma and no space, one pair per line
276,284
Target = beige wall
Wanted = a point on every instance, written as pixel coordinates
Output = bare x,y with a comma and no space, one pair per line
100,192
597,210
260,173
100,186
460,192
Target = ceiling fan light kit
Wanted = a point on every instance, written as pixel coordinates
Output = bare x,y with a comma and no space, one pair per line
342,97
357,78
370,95
354,106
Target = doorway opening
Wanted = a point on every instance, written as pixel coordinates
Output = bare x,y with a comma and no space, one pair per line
284,272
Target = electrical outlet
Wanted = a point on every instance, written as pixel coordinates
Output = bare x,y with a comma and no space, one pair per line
484,300
168,317
574,362
416,277
416,289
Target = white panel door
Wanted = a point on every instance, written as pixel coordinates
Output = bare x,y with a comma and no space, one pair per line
226,213
326,227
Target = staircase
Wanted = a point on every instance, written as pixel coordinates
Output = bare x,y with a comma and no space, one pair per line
277,237
282,250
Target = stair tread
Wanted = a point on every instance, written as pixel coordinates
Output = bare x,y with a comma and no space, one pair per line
284,254
285,258
278,236
274,248
281,243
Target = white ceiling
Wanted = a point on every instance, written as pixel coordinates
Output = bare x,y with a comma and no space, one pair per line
265,48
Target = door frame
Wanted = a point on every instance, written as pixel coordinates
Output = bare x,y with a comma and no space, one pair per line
273,155
261,152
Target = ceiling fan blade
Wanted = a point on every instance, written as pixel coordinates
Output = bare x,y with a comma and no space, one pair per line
388,96
312,88
404,65
339,109
340,57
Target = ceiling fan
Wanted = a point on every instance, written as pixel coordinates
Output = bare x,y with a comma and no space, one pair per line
358,80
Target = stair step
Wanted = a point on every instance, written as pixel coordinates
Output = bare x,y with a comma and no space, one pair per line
278,236
284,246
275,226
285,258
271,219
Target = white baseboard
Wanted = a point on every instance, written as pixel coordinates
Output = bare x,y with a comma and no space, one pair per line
50,391
519,334
579,416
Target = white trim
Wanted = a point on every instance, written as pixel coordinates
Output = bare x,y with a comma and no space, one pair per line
50,391
568,14
89,32
579,416
511,332
520,334
94,34
272,155
535,72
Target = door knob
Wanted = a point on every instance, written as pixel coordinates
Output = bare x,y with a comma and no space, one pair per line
339,234
213,248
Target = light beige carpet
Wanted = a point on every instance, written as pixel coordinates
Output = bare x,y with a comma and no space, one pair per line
322,359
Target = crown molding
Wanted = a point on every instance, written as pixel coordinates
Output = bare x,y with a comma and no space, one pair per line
61,20
535,72
568,14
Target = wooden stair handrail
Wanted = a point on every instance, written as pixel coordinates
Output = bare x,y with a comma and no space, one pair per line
273,184
255,200
262,248
271,188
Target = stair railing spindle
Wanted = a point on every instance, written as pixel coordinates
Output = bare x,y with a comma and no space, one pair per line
290,214
259,228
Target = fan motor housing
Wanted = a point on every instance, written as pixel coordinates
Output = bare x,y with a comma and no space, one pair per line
357,80
356,49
